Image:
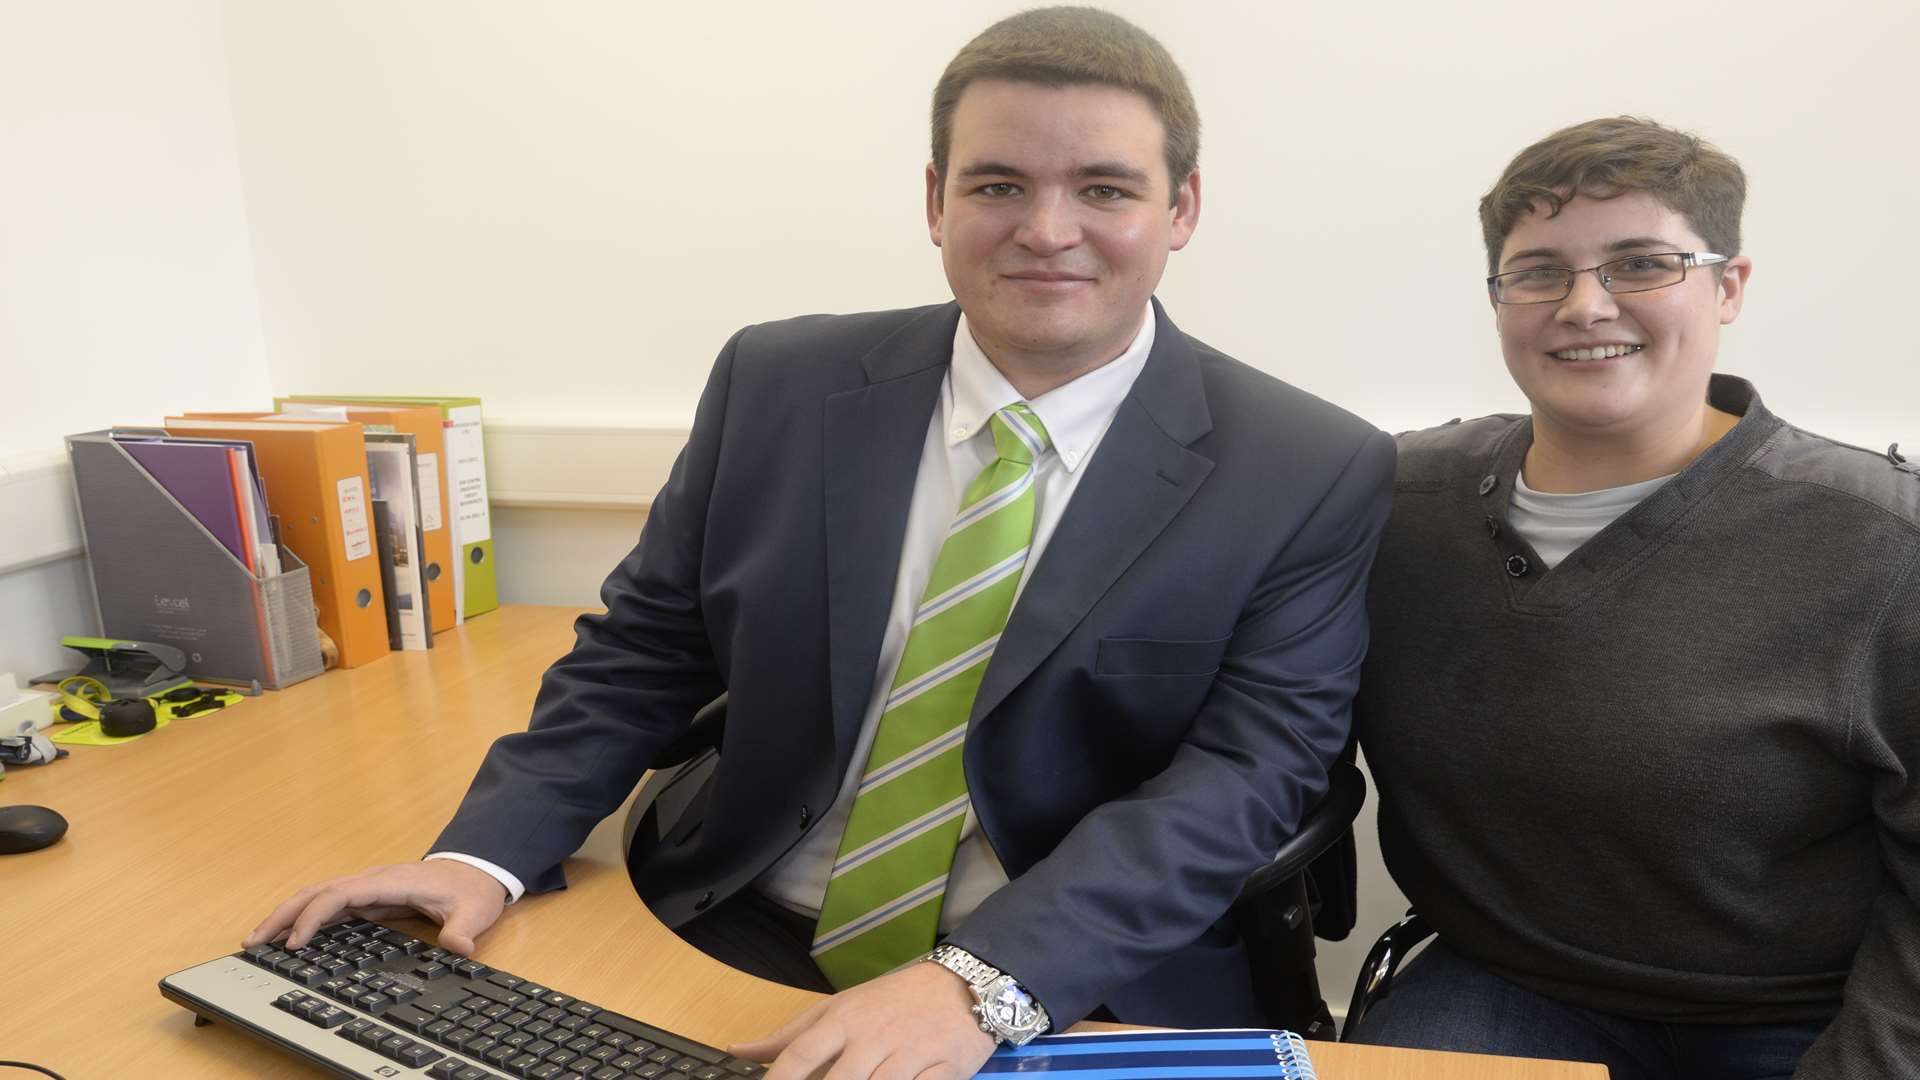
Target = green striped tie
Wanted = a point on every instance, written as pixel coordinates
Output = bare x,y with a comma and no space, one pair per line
882,906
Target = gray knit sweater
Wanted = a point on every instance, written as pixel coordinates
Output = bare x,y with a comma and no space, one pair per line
1677,777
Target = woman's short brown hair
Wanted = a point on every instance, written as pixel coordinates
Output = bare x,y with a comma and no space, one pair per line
1612,156
1074,46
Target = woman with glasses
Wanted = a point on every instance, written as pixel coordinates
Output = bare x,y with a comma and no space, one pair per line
1643,697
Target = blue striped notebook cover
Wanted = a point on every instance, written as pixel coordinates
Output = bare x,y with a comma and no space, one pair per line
1158,1055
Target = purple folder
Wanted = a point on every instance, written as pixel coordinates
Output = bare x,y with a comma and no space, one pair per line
198,476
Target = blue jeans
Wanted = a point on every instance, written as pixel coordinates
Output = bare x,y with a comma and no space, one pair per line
1441,1001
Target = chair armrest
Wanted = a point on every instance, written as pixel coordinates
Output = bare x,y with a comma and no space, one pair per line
1322,828
705,733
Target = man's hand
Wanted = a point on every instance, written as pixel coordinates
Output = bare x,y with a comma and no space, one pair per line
915,1022
464,900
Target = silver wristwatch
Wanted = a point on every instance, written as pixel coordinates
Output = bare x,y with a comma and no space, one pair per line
1004,1008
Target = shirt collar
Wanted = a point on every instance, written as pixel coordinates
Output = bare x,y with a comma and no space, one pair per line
1075,415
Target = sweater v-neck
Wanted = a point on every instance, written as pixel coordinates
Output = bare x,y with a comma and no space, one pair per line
1616,551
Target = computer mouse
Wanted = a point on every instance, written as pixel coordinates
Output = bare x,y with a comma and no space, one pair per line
29,828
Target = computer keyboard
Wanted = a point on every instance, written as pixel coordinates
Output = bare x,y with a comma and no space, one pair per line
367,1001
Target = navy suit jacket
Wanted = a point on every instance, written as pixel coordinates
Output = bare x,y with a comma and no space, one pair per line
1161,710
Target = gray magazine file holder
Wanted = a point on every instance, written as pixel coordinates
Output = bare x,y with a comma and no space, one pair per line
159,575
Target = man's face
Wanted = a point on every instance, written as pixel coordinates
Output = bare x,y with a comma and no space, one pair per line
1667,338
1055,221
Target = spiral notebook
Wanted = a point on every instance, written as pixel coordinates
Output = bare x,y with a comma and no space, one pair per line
1154,1055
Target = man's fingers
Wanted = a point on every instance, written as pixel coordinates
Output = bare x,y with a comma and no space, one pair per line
768,1047
809,1053
280,918
463,923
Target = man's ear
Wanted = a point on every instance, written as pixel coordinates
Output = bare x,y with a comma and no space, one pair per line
1734,274
1186,211
936,204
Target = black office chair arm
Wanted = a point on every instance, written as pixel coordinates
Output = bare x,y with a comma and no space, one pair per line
705,733
1376,974
1322,828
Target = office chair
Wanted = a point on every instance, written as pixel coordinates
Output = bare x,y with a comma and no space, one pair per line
1375,980
1307,888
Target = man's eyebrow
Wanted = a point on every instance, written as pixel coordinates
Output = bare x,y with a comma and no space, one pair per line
1113,170
991,168
1635,242
1531,253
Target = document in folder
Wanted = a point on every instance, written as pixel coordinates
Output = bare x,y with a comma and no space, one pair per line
424,423
316,479
392,468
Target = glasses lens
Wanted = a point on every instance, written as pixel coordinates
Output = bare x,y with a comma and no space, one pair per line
1532,286
1638,273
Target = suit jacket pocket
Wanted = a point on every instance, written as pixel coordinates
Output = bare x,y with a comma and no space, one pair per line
1146,656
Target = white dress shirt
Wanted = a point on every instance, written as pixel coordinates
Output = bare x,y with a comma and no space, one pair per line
958,446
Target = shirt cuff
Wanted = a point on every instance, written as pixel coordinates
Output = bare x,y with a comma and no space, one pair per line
515,890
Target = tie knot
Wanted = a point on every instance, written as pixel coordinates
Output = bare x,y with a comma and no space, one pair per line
1018,434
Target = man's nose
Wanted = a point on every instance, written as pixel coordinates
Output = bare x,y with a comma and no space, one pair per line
1050,225
1589,302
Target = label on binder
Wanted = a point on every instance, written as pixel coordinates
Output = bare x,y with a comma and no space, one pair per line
353,518
429,491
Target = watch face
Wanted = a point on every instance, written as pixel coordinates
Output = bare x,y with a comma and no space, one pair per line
1007,1005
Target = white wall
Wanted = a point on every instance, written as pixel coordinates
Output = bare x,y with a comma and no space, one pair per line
126,277
566,208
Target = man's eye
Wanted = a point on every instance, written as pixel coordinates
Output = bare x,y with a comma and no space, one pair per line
1000,190
1105,193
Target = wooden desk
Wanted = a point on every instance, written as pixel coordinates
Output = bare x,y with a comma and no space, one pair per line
181,842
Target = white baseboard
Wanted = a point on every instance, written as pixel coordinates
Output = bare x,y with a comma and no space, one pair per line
39,522
548,466
578,467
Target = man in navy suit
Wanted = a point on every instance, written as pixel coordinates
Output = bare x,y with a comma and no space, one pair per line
1177,546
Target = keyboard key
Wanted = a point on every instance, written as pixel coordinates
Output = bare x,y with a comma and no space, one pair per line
379,982
650,1070
606,1072
332,1016
502,979
532,990
662,1056
520,1063
309,976
540,1048
393,1044
473,1072
478,1046
562,1056
473,969
417,1055
372,1036
372,1002
560,1000
500,1055
445,1070
743,1067
685,1064
627,1061
438,1029
581,1008
408,1017
258,953
541,1070
431,971
710,1072
305,1009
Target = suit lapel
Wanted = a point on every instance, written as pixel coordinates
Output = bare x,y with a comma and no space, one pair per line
1138,481
874,435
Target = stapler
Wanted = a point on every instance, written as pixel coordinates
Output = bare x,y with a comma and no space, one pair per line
128,669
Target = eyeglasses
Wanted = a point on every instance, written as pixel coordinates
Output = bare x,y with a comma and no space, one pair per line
1635,273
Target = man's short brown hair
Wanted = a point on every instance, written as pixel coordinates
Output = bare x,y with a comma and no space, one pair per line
1074,46
1605,158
